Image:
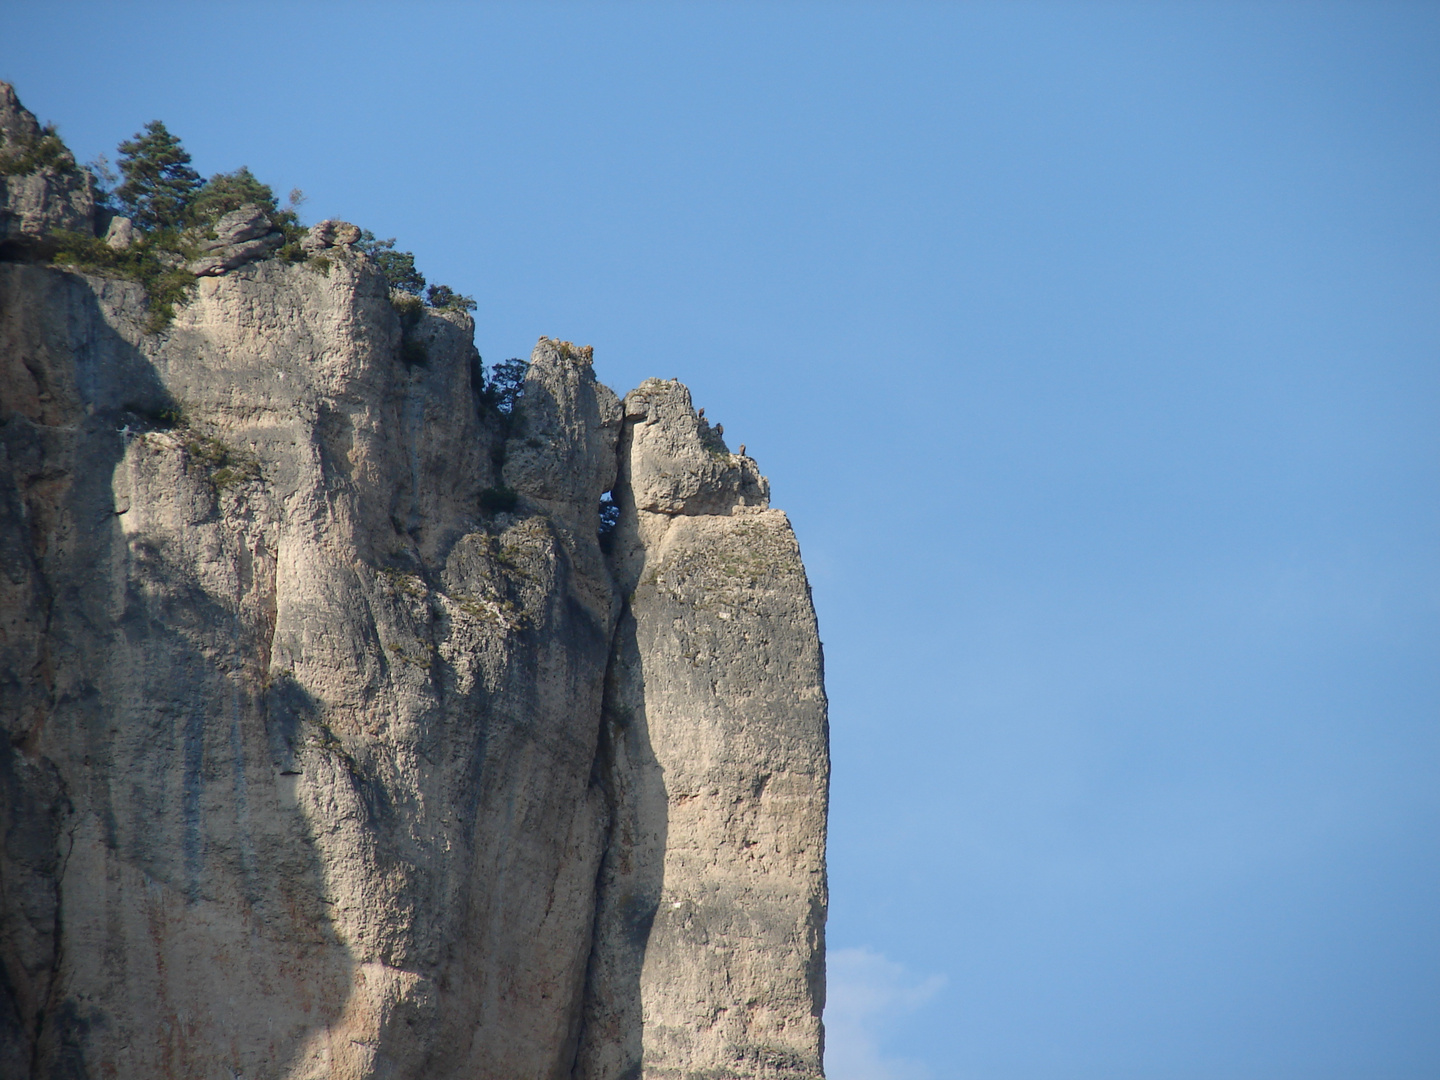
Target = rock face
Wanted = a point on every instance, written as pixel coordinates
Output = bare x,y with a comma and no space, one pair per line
329,233
710,939
315,767
41,189
241,236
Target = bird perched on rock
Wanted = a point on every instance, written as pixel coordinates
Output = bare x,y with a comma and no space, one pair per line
719,429
701,413
742,449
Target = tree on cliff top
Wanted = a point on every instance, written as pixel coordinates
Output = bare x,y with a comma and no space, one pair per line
224,192
397,266
158,180
442,296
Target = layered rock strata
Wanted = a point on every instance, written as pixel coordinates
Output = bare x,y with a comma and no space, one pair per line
241,236
316,764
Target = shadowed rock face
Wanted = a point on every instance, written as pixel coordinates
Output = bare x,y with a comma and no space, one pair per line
313,768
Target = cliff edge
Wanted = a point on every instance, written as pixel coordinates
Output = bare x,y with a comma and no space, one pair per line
344,736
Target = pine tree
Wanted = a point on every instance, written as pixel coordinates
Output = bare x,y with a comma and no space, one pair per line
507,385
159,182
397,266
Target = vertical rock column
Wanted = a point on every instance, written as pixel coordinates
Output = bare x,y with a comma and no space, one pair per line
709,950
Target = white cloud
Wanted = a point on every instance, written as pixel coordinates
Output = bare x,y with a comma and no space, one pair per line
864,993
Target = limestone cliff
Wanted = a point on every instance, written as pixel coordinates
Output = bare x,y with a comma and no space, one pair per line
41,189
342,740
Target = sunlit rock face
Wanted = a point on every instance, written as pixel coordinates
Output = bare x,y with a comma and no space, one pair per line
710,937
343,740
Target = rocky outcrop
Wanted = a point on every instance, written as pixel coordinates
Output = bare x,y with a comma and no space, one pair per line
328,234
677,463
41,189
241,236
710,938
319,765
120,233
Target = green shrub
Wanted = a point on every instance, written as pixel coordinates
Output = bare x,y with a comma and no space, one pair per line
225,465
174,210
225,192
409,307
166,285
501,398
171,207
447,299
287,220
26,155
401,274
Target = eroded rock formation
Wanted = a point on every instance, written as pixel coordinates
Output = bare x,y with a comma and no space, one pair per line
316,764
41,189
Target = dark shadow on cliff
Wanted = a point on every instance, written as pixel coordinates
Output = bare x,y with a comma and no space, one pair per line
33,809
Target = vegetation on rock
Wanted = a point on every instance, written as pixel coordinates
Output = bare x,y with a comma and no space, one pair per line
397,266
507,384
447,299
152,261
158,183
23,155
173,212
400,271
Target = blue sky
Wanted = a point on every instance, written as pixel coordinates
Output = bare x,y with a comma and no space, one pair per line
1092,349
